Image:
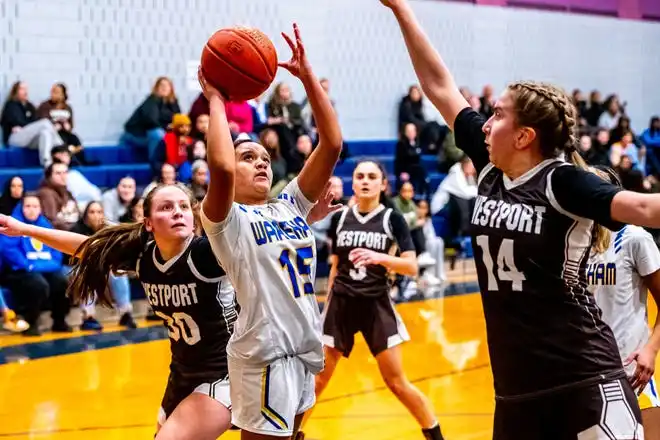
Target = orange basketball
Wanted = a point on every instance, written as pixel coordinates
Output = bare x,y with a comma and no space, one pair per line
240,62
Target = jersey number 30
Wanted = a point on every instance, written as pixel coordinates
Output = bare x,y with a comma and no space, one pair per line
176,327
298,265
506,265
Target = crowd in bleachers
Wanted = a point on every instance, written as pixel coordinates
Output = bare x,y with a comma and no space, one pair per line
430,181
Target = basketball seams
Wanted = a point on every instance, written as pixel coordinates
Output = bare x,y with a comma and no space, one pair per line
222,59
249,37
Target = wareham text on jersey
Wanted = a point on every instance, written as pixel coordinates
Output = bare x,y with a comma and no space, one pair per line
370,240
601,274
167,295
497,214
268,231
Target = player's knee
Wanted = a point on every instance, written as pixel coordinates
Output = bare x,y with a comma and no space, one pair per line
321,381
397,384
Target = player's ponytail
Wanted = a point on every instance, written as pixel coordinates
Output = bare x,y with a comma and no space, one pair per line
111,249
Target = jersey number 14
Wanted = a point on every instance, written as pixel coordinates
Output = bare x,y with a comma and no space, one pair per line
298,265
506,265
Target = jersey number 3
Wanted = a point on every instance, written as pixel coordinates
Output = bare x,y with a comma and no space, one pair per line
176,327
506,265
299,268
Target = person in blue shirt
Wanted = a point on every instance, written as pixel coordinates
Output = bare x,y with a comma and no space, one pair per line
33,271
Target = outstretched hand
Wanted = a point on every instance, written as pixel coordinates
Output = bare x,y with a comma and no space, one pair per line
10,226
207,89
324,206
298,65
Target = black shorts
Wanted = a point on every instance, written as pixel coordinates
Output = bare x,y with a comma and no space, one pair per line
375,318
600,412
178,388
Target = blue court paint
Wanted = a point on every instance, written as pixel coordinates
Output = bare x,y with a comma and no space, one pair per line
78,344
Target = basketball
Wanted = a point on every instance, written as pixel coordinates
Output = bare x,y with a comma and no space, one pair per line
240,62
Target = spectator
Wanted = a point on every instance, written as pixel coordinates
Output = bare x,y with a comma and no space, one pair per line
622,127
200,179
650,138
595,109
59,112
487,101
12,195
456,194
585,149
33,271
610,117
58,204
405,204
259,113
435,246
147,124
411,111
271,142
173,149
167,176
135,211
299,156
239,116
307,115
117,200
92,220
199,107
601,148
626,147
407,160
285,117
21,128
201,127
80,188
581,106
632,179
197,152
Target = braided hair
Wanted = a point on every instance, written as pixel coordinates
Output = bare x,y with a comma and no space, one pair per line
551,113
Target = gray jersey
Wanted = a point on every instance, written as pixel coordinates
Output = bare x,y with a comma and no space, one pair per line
269,254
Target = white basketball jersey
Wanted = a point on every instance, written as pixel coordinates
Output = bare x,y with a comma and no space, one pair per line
615,279
269,254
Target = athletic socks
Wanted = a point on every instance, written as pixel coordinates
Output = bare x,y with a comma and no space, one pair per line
433,433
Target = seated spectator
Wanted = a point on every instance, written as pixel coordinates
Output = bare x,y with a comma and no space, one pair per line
117,200
59,112
167,176
308,116
200,179
626,147
173,149
405,204
239,116
595,109
581,106
632,179
435,246
78,185
259,113
92,221
135,211
33,271
610,117
199,107
197,152
457,194
10,321
300,154
622,127
271,142
285,117
407,159
21,128
57,203
487,101
147,124
411,111
12,195
600,146
200,127
650,138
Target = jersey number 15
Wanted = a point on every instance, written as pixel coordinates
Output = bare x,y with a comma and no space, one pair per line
298,265
506,265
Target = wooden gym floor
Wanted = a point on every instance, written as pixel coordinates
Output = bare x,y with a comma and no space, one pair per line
108,386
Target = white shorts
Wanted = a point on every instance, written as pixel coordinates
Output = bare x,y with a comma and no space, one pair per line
267,400
177,392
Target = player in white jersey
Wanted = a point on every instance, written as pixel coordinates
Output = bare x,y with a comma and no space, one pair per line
268,251
623,267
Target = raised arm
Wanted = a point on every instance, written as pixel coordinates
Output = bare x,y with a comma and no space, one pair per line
320,165
220,157
434,76
64,241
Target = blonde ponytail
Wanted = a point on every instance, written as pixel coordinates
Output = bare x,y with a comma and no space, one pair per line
602,235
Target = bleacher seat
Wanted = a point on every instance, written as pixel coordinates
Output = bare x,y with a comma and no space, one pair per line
371,148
